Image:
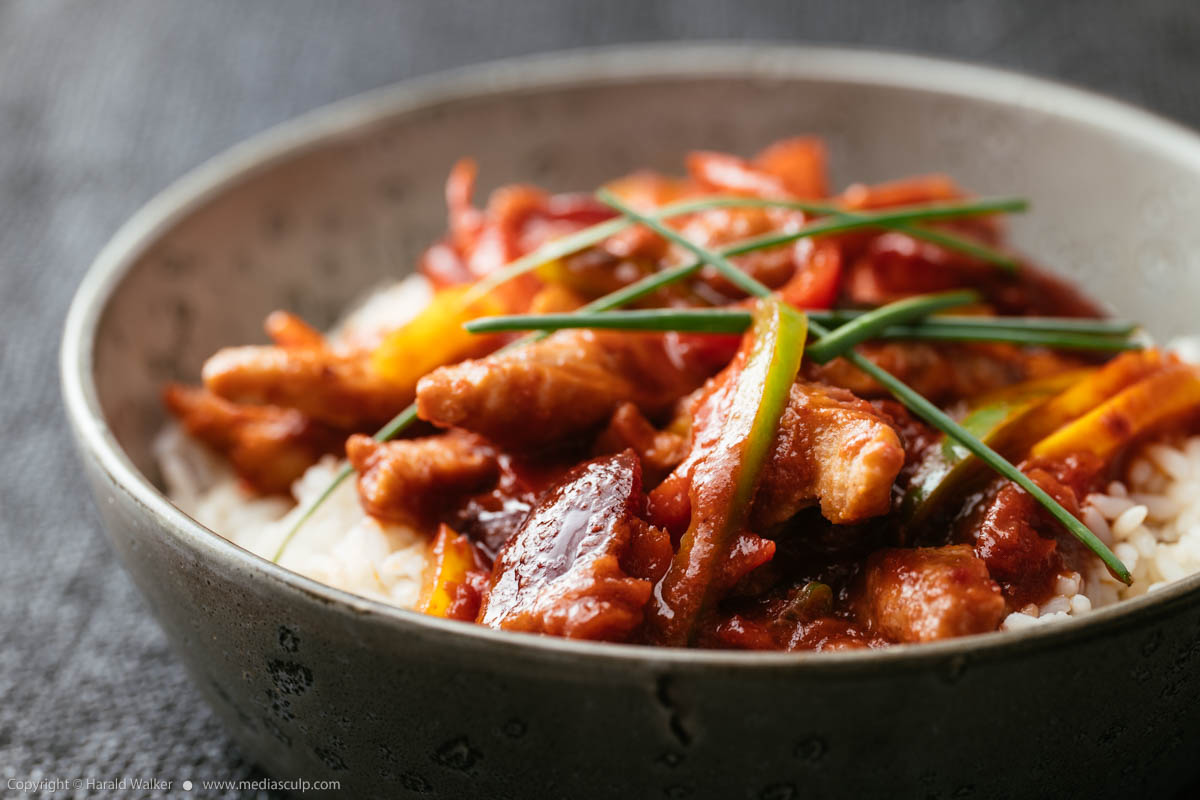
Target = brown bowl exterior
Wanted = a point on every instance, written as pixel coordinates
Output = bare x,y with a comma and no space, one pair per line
315,683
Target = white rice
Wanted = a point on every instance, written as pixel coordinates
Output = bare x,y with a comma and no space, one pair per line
1151,519
339,545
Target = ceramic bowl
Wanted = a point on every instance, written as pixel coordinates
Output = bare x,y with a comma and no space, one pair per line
319,684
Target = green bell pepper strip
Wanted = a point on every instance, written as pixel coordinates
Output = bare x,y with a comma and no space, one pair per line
724,481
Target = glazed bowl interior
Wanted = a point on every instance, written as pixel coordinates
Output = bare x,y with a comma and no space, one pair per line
314,215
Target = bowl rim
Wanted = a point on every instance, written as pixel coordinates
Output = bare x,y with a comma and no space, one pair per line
611,65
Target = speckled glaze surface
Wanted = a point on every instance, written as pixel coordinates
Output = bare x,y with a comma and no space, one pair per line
317,684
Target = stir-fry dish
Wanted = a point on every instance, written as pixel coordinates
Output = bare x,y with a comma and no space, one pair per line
732,409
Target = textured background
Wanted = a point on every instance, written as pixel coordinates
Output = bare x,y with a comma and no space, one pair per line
103,104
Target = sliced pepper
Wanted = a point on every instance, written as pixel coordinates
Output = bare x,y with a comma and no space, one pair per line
447,576
724,481
1114,377
816,284
1164,395
999,420
436,337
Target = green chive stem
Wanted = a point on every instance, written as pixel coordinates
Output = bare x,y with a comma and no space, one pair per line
689,320
1059,341
867,325
890,218
962,244
731,321
941,238
736,320
1098,327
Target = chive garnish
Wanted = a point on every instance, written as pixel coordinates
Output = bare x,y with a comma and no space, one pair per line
1012,335
687,320
867,325
914,401
941,238
962,244
897,219
1098,327
736,320
652,283
891,219
1007,330
728,321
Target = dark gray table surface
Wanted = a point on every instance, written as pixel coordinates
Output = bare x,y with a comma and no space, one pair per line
102,104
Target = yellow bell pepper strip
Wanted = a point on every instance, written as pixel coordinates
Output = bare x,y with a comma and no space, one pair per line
1163,396
435,337
724,481
451,558
1111,379
998,420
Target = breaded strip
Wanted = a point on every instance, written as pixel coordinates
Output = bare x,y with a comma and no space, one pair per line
340,389
413,481
535,395
269,447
